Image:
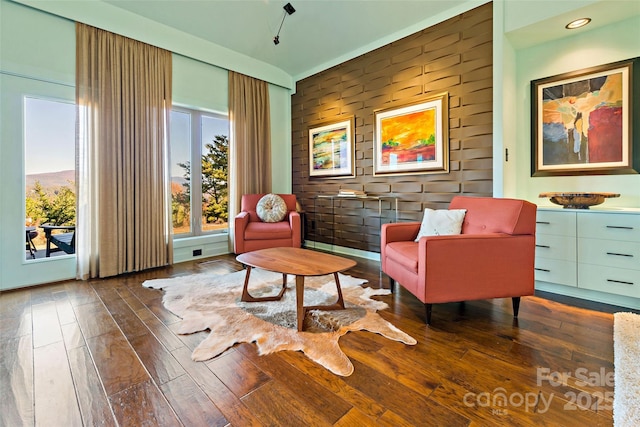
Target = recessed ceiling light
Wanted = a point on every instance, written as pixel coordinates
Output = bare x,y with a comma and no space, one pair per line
577,23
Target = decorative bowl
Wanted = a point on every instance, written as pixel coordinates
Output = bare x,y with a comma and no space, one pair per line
578,200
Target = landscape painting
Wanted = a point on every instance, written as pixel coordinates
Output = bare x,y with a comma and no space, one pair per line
580,122
331,149
413,138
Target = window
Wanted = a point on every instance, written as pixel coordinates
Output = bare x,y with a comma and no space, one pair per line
50,156
199,169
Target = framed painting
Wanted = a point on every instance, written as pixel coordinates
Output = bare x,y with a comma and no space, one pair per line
331,147
413,138
581,121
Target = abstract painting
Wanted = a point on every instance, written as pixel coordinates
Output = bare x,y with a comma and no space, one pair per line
581,122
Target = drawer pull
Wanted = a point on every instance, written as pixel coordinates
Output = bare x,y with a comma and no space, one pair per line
619,281
616,254
542,269
543,222
620,227
543,246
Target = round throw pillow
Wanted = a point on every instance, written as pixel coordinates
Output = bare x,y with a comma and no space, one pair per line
271,208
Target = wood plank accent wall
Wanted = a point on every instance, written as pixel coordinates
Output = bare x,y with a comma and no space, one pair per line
454,56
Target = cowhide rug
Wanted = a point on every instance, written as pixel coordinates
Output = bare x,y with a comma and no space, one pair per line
212,301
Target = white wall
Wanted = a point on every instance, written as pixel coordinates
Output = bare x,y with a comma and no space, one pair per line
37,57
111,18
602,45
280,109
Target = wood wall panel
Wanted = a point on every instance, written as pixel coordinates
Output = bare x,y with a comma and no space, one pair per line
453,56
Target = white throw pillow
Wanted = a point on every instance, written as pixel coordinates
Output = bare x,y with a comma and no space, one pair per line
271,208
441,222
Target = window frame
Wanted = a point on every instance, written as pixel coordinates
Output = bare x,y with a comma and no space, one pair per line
195,159
25,97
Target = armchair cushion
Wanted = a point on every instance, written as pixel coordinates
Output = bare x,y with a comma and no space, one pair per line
405,254
441,222
271,208
268,230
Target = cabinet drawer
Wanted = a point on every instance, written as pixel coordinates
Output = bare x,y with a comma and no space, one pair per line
609,253
556,247
608,279
624,227
555,271
556,223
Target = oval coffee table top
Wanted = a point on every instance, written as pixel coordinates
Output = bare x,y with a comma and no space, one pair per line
295,261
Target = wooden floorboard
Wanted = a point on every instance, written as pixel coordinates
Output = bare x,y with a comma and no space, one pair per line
107,353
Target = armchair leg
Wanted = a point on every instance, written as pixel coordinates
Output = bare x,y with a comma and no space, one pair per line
516,305
391,284
428,309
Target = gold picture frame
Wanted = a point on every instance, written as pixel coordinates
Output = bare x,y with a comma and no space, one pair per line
413,138
331,149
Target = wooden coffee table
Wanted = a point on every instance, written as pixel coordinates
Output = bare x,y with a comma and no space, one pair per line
300,263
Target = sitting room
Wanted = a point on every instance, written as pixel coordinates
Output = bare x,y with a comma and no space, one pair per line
399,213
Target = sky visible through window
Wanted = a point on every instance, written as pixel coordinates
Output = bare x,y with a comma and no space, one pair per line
181,137
49,136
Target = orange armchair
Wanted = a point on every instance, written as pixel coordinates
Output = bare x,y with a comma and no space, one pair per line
493,257
251,234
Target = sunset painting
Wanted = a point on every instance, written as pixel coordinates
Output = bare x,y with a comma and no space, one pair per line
412,138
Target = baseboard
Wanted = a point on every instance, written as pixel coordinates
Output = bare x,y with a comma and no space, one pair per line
587,294
200,247
374,256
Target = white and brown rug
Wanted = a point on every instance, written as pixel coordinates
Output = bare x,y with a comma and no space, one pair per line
626,353
210,301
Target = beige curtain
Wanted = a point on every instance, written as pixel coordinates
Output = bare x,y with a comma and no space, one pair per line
123,94
250,134
250,141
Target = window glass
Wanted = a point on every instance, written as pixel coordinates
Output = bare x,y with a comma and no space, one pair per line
180,138
199,156
215,156
50,158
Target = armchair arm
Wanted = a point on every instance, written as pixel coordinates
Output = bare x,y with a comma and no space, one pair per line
476,266
398,232
240,224
296,230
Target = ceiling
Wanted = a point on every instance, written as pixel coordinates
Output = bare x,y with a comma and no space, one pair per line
323,33
319,32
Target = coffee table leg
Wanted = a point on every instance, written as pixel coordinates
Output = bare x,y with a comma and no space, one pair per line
247,297
340,301
300,310
245,289
338,305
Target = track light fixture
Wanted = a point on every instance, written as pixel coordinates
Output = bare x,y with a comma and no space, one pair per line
288,10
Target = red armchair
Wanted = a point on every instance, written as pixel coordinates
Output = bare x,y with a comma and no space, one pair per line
493,256
251,234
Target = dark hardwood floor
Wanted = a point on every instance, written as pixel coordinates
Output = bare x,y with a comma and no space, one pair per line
104,352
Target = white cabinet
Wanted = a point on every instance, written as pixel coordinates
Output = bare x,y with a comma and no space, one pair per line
609,253
592,254
556,248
